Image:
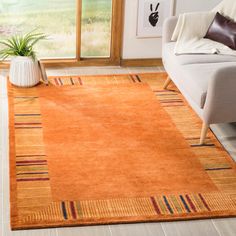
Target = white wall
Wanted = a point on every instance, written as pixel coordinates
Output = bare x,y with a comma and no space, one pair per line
195,5
151,48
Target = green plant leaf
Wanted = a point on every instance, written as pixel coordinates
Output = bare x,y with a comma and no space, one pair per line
21,45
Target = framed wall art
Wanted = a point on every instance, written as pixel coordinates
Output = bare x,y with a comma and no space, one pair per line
151,15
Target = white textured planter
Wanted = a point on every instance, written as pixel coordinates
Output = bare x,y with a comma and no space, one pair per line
24,72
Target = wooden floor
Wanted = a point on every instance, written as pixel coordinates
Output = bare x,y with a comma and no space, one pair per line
220,227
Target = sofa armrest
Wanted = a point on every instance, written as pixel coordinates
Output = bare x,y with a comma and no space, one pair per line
220,106
168,28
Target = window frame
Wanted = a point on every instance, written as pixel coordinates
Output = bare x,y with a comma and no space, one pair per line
116,41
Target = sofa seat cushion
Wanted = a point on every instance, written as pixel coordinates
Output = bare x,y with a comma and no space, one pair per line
192,73
195,58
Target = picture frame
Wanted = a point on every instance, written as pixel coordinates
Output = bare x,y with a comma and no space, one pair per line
151,16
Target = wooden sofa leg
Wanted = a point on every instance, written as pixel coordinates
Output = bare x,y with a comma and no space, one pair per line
205,128
167,82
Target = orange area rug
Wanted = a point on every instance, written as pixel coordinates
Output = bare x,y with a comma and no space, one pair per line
112,149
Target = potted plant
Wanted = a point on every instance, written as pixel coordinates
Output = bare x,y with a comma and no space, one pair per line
24,69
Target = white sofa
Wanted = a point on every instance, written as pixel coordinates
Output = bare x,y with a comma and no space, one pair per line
208,82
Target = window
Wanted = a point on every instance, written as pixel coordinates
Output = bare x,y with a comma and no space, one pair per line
96,28
56,18
77,29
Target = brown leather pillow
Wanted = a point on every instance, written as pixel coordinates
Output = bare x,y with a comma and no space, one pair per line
223,30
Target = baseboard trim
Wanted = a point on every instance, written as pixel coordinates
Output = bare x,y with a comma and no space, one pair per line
97,62
141,62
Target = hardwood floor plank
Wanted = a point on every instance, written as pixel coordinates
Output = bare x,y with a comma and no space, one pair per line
56,72
101,230
226,227
155,229
226,133
41,232
97,70
190,228
1,153
137,230
5,164
4,72
144,70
